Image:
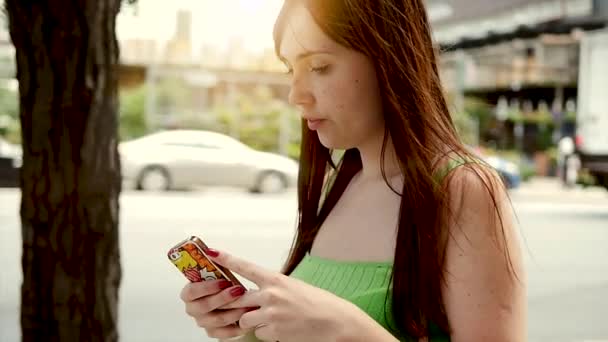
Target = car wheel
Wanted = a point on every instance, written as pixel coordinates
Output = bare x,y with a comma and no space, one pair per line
154,178
270,182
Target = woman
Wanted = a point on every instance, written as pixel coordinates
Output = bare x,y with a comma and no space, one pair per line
410,237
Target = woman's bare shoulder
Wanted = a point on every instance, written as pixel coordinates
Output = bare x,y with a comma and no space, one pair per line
485,277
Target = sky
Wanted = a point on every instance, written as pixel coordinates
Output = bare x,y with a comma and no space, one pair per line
214,22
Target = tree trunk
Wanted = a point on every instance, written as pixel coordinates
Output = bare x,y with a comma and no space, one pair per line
67,57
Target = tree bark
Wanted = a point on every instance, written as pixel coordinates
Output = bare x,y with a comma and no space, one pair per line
67,55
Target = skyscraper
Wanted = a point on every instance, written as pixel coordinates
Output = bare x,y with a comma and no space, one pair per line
179,47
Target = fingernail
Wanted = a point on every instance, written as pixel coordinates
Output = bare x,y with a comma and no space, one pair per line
212,252
224,284
237,291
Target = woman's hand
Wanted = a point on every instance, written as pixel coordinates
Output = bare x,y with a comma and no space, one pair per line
206,301
291,310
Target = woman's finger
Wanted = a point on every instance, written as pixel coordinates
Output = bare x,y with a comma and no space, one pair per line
207,304
226,332
193,291
251,299
254,318
220,318
266,333
259,275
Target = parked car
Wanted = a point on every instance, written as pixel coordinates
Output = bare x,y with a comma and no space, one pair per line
179,159
508,170
10,163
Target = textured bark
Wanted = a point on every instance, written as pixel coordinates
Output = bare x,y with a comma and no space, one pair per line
66,54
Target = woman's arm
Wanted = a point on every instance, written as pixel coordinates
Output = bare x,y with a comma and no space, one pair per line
485,290
365,330
361,328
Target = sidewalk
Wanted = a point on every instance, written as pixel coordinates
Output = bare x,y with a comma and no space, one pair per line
541,188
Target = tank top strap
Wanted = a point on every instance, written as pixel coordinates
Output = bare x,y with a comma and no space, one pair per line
330,178
453,162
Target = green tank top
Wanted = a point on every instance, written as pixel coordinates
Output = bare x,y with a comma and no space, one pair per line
365,284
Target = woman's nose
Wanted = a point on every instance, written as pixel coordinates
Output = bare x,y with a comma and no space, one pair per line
300,94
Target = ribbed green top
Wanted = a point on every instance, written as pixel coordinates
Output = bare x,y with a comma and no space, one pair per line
365,284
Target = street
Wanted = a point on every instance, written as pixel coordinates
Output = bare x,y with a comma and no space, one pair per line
565,232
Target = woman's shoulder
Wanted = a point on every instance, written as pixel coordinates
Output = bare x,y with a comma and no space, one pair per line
484,257
477,201
472,184
460,170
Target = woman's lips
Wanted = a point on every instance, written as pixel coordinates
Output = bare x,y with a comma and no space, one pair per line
314,124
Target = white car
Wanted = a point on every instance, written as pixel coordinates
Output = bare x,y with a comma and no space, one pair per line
179,159
10,163
11,151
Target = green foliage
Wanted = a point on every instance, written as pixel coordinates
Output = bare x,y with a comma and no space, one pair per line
527,171
293,150
132,114
257,118
537,117
173,96
9,114
477,117
480,111
465,126
570,116
544,138
260,131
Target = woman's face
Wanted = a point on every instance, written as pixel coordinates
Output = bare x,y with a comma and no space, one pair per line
334,87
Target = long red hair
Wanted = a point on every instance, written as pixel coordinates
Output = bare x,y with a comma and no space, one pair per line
395,35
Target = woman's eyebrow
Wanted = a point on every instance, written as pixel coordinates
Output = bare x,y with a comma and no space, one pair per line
305,54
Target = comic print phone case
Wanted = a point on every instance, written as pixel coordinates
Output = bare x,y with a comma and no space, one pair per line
189,257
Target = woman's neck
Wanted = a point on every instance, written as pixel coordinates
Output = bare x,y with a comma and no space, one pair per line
371,160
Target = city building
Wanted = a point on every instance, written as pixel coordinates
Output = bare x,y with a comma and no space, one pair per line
519,56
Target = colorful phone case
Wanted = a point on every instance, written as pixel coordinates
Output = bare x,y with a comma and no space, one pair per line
190,259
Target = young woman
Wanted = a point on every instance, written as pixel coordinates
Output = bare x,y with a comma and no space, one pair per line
409,237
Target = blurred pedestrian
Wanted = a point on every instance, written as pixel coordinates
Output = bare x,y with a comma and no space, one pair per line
567,162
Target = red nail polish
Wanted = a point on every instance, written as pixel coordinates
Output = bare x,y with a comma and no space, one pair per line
237,291
224,284
212,252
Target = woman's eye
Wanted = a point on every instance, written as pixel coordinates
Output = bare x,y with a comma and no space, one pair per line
319,70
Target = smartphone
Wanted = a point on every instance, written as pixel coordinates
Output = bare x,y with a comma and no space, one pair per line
189,257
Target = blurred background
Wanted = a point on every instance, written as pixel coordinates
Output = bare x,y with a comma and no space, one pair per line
209,147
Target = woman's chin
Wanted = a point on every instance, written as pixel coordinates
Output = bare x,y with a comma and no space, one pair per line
332,144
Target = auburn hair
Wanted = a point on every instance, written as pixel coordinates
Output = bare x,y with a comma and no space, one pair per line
396,36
